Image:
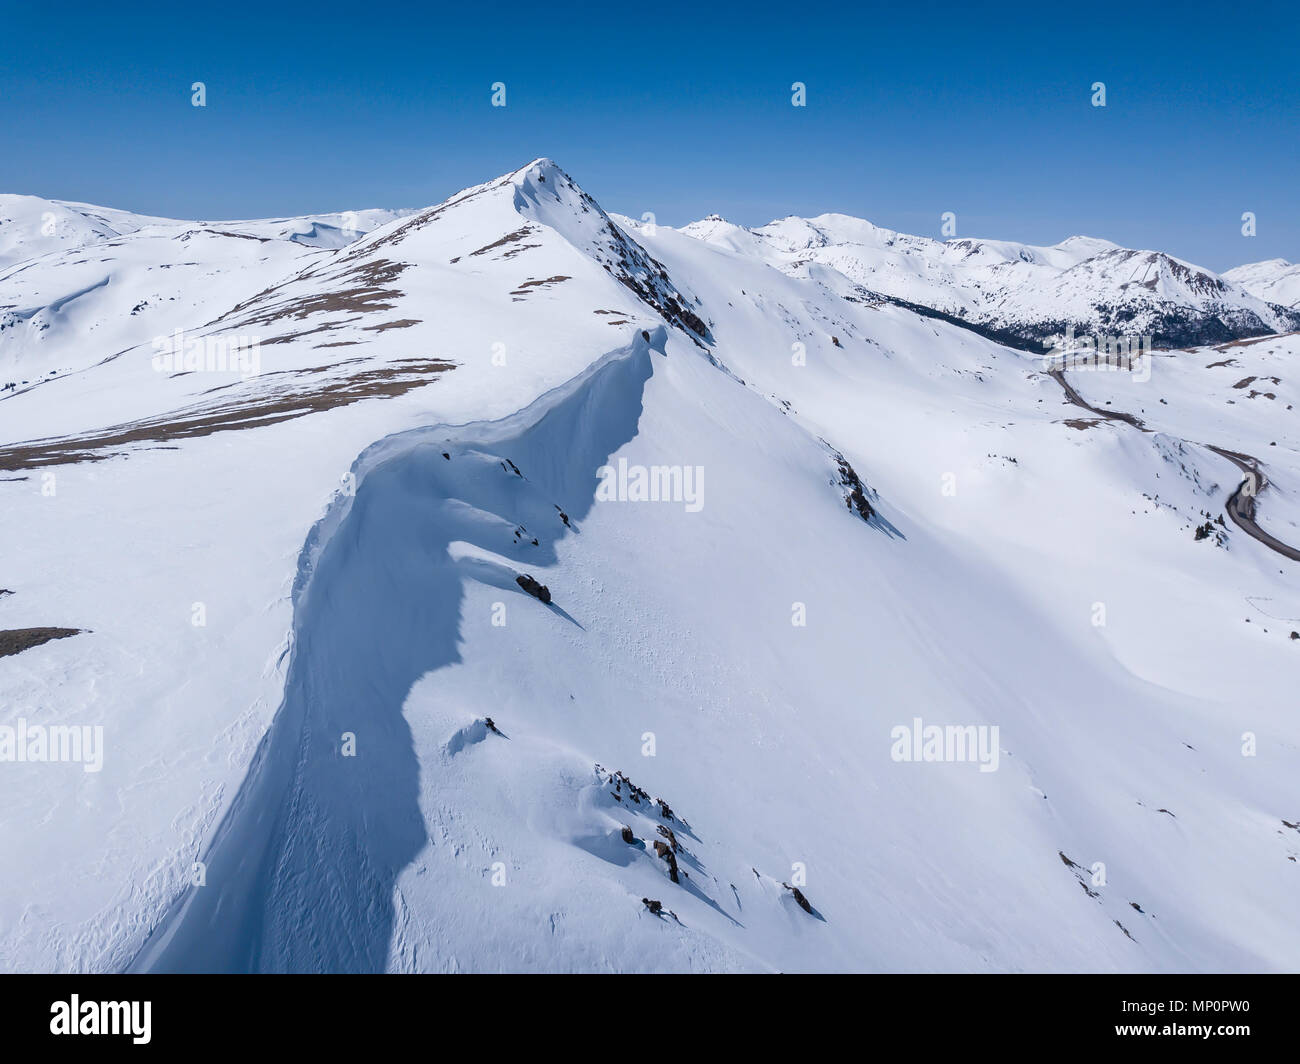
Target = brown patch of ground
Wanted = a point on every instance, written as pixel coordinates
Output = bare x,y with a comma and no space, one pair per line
237,236
16,640
419,221
1253,340
509,238
328,326
306,371
362,289
402,323
522,290
518,250
292,401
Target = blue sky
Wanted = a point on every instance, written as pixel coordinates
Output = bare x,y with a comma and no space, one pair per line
913,109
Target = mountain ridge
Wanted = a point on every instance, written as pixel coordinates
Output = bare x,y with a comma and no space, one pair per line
336,717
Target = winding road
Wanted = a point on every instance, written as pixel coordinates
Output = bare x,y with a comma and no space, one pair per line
1241,503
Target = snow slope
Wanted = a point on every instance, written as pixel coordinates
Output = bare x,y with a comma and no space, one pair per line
70,273
894,517
1275,280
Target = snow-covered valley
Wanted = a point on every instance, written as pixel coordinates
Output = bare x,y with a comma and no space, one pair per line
797,495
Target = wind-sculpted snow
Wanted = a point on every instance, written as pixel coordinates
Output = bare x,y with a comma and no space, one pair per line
680,612
302,869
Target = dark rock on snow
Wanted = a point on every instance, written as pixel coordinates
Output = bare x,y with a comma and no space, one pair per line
538,591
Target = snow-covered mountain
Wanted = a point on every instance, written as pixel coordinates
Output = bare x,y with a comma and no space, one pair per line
516,587
1023,294
1274,280
71,273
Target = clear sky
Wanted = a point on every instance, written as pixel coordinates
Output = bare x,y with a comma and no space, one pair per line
913,109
